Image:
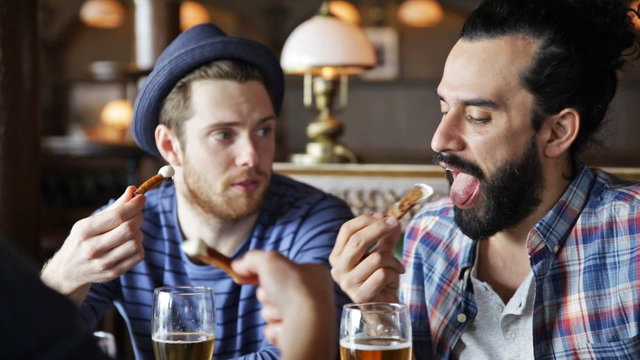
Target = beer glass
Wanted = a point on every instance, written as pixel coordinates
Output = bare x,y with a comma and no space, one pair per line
183,323
380,331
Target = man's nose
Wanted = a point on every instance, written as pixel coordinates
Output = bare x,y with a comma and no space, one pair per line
247,155
448,135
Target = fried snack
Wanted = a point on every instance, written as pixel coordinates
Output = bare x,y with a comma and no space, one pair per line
165,172
197,249
418,194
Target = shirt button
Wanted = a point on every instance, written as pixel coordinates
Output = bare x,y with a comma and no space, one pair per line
510,335
461,318
498,308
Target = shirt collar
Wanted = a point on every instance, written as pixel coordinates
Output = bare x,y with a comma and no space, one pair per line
468,259
555,226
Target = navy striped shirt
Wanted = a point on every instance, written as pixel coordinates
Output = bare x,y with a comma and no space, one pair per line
297,220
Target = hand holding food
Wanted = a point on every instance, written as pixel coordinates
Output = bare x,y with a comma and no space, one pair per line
99,248
298,304
363,259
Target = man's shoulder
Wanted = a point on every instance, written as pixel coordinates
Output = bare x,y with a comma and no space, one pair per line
612,190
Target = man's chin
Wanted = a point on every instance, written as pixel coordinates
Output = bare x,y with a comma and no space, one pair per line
240,212
238,207
471,223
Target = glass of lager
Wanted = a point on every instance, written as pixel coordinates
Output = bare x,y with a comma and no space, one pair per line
183,323
380,331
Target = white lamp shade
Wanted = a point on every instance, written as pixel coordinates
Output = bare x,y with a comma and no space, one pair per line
325,41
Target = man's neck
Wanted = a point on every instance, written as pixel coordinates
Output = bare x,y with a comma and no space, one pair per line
503,259
224,235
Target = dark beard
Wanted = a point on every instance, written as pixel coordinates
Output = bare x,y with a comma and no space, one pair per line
507,197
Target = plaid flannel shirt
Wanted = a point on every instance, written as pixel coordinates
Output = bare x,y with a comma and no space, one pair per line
585,257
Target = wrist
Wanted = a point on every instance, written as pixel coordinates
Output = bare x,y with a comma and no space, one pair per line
54,277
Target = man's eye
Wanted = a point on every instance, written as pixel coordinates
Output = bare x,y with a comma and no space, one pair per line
477,120
265,131
222,135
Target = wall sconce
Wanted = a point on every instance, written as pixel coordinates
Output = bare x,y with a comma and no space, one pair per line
105,14
420,13
326,50
193,13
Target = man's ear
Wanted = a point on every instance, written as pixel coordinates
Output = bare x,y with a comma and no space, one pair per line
168,145
562,130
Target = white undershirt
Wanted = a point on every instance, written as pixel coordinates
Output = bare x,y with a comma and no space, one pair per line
499,331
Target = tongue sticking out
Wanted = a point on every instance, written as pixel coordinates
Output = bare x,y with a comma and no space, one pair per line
464,191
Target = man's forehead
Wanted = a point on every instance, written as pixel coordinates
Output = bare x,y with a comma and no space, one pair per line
487,68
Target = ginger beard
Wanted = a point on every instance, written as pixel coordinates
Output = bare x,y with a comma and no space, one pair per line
506,198
218,198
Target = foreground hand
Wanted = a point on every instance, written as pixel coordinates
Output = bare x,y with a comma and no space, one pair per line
365,273
99,248
298,303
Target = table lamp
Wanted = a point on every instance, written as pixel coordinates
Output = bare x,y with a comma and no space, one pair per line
326,50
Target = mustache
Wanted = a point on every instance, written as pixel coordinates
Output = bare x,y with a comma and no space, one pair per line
458,162
248,173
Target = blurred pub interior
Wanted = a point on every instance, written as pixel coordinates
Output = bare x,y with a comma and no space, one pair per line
59,161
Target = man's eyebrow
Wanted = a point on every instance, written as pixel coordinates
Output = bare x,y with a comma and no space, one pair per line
474,102
236,123
268,118
480,103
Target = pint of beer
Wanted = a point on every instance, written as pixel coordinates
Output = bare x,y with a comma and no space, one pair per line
183,323
375,331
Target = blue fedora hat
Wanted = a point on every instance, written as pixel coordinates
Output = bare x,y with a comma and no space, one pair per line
193,48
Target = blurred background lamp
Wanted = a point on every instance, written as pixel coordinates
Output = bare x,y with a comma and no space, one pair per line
345,11
636,22
117,114
106,14
326,50
420,13
193,13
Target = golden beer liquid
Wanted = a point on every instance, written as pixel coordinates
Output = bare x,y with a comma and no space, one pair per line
183,346
375,349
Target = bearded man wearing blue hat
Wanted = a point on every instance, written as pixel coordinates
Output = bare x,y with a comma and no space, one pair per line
209,108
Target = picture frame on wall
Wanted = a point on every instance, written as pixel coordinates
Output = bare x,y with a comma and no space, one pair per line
385,44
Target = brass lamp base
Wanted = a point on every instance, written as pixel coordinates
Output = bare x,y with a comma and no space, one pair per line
321,153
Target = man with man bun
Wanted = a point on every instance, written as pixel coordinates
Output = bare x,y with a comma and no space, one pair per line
533,254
